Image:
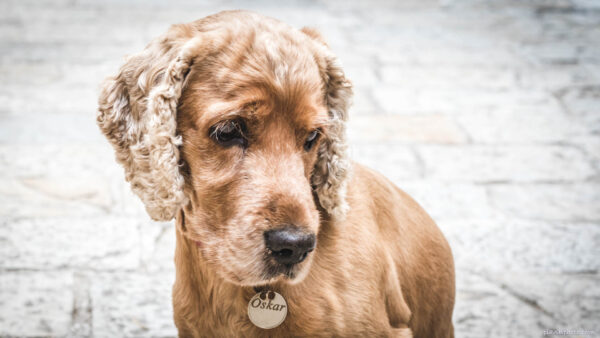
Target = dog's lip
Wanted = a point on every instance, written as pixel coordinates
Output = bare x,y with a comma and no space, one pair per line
198,244
288,271
289,274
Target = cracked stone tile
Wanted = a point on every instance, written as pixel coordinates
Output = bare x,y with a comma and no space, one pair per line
132,305
590,144
361,76
397,162
89,190
572,300
522,125
508,244
81,316
415,129
484,309
45,127
34,304
362,103
517,163
70,160
560,202
561,52
73,242
450,201
157,246
407,99
556,77
18,201
437,55
449,77
581,100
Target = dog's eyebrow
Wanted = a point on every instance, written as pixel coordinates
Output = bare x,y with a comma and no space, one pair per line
320,120
235,107
223,108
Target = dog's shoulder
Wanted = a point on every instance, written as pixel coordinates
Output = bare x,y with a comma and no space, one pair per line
390,205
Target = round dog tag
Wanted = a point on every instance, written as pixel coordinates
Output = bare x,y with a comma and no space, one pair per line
267,309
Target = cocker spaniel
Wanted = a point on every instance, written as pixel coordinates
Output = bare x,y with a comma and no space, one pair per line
235,125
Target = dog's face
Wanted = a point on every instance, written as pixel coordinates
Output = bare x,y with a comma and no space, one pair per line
249,151
237,120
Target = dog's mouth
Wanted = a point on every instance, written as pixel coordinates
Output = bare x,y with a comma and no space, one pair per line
274,270
287,271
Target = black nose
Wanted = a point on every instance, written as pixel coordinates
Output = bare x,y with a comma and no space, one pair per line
289,245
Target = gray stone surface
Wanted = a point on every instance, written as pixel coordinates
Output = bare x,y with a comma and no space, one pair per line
71,242
132,304
36,303
486,112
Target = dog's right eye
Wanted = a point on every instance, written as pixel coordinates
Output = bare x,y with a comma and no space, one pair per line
311,139
229,133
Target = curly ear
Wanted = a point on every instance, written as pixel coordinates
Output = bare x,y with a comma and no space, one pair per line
333,166
137,113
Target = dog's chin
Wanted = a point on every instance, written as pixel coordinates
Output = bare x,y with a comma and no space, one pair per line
272,273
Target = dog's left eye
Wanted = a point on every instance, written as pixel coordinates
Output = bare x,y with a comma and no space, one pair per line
311,139
229,133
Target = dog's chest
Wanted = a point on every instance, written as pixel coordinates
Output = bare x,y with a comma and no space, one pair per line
314,315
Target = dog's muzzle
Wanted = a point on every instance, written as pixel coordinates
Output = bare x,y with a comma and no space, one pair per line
289,245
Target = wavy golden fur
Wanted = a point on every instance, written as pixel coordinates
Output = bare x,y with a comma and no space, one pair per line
380,267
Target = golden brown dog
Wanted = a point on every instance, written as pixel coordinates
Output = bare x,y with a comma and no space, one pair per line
234,124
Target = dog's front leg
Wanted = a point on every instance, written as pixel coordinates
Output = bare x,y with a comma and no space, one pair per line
397,310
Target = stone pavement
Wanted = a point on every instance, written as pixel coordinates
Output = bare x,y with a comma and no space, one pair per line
487,112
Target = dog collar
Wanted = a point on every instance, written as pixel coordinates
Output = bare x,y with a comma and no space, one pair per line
267,309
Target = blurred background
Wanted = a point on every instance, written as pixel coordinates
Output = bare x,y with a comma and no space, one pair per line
486,112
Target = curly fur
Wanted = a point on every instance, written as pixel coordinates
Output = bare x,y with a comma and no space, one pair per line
333,167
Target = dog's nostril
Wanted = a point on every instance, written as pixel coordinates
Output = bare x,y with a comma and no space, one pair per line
289,245
284,253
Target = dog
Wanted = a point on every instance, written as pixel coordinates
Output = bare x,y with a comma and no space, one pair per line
234,125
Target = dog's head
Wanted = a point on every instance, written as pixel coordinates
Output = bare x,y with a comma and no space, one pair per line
238,121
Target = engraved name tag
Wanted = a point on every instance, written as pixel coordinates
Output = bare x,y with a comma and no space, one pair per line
267,309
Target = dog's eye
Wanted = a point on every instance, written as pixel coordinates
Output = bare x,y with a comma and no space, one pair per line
311,139
229,133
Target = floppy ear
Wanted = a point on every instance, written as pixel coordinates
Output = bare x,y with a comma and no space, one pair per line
137,113
333,166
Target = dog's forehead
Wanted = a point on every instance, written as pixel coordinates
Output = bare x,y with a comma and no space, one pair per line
275,72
